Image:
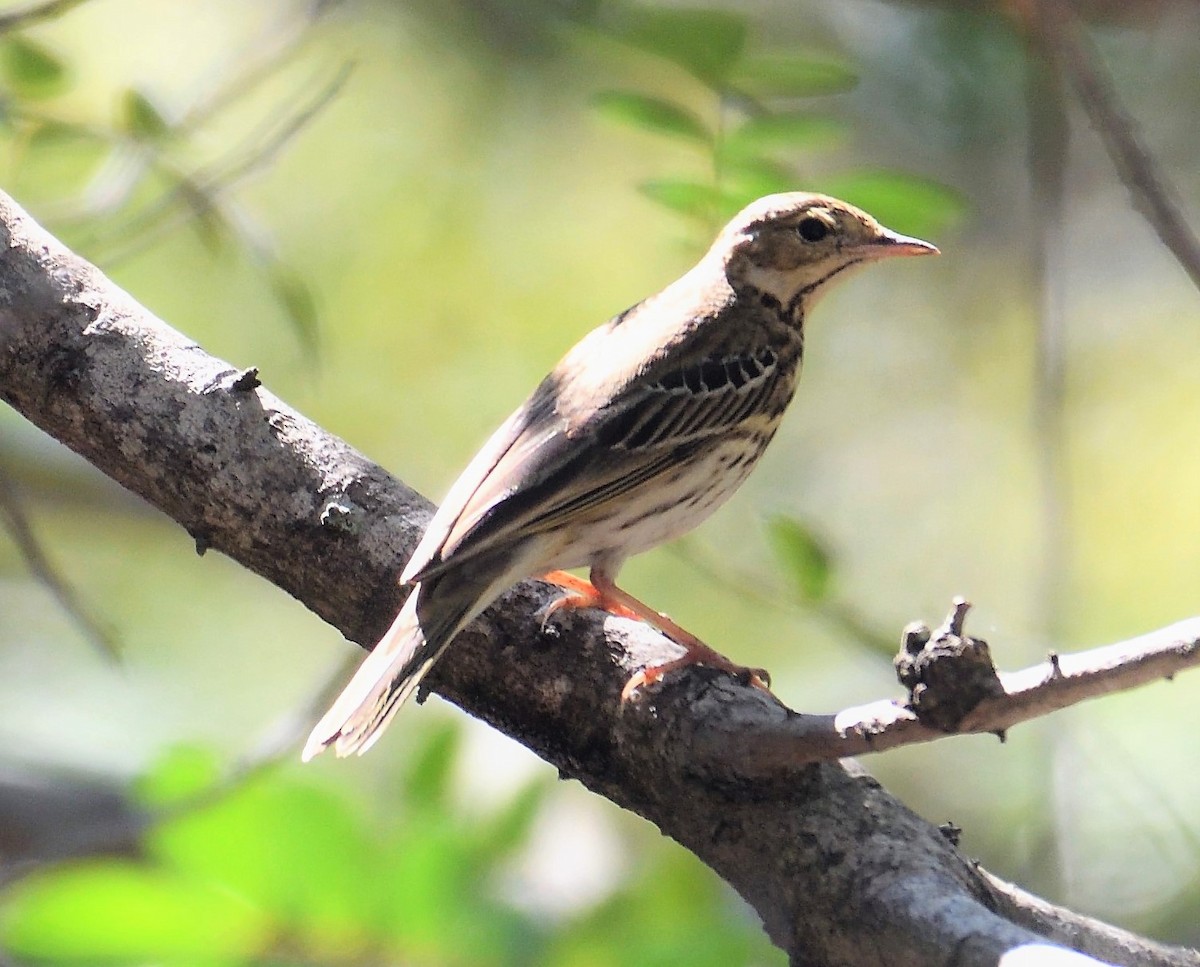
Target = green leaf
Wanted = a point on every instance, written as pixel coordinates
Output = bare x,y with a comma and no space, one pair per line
183,772
807,561
427,782
115,911
140,118
53,132
706,43
790,133
209,224
651,114
691,198
509,829
794,75
296,297
298,852
745,179
30,69
904,202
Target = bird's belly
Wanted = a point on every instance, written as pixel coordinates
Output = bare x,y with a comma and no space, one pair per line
675,502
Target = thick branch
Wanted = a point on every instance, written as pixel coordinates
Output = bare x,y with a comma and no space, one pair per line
840,872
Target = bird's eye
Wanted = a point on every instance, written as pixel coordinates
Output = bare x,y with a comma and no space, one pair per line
812,229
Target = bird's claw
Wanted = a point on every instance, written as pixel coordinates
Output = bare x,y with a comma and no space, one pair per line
760,678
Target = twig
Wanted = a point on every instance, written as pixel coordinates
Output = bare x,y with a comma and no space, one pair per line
1060,32
790,740
17,523
1084,933
277,745
1049,148
255,63
34,13
205,186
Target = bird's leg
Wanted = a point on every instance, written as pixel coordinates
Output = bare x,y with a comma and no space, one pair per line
616,601
601,592
582,593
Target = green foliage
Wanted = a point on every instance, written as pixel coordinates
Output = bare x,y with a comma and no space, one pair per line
277,869
115,911
805,559
653,114
660,915
141,119
277,864
183,772
707,43
901,201
692,198
784,133
296,299
800,74
758,140
154,192
30,70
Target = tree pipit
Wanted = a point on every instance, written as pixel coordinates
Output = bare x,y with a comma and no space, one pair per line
642,430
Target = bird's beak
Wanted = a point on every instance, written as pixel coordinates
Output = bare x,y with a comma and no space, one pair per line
890,243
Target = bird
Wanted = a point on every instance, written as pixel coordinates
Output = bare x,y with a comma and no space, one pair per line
642,430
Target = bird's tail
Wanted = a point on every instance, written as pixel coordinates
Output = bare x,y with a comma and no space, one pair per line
385,679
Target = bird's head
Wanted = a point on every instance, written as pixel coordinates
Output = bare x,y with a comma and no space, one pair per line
790,245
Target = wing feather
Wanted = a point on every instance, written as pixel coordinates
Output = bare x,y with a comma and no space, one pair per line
538,472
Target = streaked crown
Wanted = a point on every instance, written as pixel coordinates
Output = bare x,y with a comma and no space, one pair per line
789,245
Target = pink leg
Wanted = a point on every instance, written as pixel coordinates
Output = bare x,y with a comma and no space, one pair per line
582,594
602,592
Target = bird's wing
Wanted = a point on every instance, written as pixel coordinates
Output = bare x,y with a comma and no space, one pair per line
538,471
533,427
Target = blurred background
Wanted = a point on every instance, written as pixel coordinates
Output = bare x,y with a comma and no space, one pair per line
403,213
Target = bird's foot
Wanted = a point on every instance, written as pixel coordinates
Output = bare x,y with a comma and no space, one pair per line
602,593
652,674
581,593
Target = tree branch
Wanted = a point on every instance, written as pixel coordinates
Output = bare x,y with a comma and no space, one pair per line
783,741
1060,33
35,13
839,871
16,521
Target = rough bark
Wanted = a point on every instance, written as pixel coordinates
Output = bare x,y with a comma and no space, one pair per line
840,872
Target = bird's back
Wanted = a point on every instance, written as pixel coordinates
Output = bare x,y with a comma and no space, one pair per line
711,399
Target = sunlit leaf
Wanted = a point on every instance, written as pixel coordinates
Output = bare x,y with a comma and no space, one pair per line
437,901
140,118
679,915
794,75
904,202
773,133
30,69
744,179
690,198
183,772
807,561
300,853
428,875
115,911
651,114
705,42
